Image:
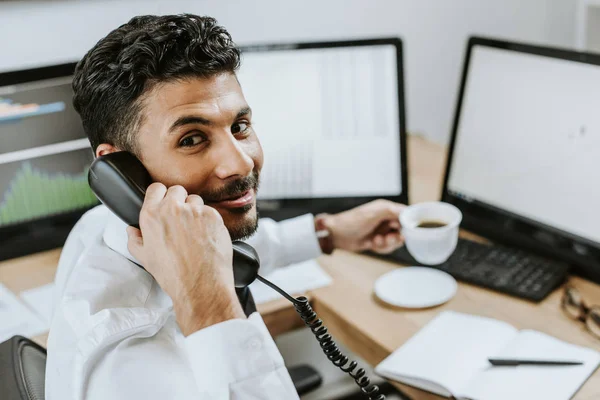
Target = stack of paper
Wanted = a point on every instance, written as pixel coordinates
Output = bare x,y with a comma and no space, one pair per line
294,279
41,301
16,318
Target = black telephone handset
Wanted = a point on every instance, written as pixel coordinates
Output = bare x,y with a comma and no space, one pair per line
120,180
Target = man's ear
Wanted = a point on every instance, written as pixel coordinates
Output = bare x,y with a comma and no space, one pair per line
105,148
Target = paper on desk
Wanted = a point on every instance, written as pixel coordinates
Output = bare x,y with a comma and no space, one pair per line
294,279
41,300
16,318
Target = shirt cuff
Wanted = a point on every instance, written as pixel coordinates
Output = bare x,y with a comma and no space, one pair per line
299,239
232,351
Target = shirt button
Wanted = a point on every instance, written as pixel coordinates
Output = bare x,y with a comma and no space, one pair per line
254,344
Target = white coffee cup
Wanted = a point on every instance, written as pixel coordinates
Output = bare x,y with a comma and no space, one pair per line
431,246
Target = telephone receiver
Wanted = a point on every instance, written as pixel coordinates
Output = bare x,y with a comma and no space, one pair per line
120,181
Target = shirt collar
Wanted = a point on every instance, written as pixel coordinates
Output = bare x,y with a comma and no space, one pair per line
115,237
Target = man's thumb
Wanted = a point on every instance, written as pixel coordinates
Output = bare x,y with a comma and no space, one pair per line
135,242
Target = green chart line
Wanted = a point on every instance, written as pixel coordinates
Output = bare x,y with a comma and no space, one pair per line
33,194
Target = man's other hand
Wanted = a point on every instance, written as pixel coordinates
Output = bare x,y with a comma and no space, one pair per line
373,226
187,249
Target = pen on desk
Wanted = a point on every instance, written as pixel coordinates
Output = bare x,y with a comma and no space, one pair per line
505,362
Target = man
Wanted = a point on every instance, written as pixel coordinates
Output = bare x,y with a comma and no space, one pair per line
165,89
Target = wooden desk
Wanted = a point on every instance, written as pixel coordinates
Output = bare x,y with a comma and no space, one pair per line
351,312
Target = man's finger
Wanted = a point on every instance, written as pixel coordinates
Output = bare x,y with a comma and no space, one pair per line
154,194
176,193
394,224
384,228
392,239
135,241
133,232
378,241
194,199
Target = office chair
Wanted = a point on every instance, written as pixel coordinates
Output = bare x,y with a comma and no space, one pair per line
23,371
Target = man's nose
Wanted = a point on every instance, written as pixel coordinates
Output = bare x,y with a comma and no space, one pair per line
232,159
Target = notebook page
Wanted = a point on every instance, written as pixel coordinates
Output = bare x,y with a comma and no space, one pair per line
535,382
449,350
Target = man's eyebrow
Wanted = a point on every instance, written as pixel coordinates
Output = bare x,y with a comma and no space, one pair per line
244,111
192,119
188,120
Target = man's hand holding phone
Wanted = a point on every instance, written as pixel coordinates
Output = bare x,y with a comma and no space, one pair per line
187,249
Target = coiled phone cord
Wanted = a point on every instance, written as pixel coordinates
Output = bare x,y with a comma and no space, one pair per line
329,347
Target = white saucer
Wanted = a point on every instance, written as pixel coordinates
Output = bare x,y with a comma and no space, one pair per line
415,287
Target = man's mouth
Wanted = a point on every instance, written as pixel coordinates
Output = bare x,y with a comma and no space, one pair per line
236,201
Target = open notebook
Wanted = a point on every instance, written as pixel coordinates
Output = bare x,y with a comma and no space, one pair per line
449,357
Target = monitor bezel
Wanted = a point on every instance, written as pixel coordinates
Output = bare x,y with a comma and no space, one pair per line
47,232
285,208
504,226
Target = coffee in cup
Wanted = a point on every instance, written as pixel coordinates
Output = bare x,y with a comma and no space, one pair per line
431,224
430,231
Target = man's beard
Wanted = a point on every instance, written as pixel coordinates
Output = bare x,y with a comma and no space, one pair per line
247,225
244,230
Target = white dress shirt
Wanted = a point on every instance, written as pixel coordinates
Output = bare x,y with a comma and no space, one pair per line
114,334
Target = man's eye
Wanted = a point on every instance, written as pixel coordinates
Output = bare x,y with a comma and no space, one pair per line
239,127
191,141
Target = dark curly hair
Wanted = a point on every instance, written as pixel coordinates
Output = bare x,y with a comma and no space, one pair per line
113,76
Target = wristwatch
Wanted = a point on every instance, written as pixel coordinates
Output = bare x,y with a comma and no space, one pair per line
324,234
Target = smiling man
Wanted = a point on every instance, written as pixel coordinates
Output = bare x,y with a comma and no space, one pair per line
165,89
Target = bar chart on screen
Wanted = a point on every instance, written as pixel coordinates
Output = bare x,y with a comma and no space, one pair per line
33,193
44,181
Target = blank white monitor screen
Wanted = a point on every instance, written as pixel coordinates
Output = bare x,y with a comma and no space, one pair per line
328,120
528,139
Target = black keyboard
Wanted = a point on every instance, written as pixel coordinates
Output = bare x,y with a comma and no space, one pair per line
504,269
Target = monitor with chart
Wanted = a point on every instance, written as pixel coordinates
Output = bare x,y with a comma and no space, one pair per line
330,118
525,153
44,157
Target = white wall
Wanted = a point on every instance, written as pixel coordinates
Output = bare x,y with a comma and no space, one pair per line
434,32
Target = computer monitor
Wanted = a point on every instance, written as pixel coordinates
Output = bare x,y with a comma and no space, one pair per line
44,157
524,163
330,118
